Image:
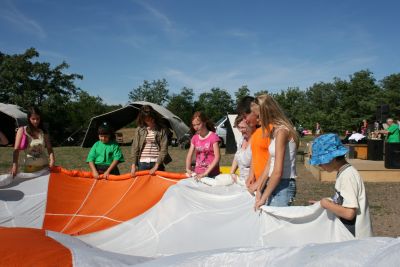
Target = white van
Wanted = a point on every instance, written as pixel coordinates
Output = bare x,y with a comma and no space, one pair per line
220,129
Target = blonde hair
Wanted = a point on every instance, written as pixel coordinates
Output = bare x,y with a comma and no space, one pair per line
272,114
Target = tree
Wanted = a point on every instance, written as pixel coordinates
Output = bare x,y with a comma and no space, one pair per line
240,93
358,98
391,92
155,92
27,82
322,107
216,104
182,104
293,102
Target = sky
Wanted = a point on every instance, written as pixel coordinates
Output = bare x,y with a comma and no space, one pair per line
266,45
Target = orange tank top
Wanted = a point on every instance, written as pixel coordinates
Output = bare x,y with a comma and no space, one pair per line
259,152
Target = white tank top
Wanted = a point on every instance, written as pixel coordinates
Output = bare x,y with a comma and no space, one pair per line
289,162
243,159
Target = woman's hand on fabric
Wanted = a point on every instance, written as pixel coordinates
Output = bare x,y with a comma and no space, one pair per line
133,170
252,188
199,176
234,177
153,170
14,169
259,202
250,181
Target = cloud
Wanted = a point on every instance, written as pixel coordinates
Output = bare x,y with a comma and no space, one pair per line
162,18
168,26
10,13
266,74
242,34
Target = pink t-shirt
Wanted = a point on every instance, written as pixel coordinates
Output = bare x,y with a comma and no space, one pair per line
205,153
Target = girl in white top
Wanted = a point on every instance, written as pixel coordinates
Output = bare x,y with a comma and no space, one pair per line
242,159
37,142
274,188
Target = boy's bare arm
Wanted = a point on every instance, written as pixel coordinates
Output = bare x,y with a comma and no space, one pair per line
338,210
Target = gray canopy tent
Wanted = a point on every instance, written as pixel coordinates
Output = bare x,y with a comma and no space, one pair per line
123,116
11,117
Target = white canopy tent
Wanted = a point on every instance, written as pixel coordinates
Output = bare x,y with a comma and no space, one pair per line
11,117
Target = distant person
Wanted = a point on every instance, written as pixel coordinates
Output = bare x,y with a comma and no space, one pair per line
277,185
364,127
318,129
259,144
34,140
242,159
392,131
3,139
300,130
205,146
150,142
350,202
105,154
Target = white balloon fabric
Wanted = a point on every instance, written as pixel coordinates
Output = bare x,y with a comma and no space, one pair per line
193,217
23,199
195,224
370,252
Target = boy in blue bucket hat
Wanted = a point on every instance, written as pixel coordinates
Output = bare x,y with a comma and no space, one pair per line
350,202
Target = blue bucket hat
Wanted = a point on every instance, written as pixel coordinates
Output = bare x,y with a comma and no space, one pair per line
325,148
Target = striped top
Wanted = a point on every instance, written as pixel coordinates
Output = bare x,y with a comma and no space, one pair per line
150,151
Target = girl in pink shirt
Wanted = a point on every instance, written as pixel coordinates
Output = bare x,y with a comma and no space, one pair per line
205,145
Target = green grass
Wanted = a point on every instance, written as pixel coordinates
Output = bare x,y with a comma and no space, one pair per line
75,158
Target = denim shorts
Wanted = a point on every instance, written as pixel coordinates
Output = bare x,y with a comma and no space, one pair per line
292,190
283,193
148,165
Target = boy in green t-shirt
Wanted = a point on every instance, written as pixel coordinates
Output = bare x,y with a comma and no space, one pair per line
105,154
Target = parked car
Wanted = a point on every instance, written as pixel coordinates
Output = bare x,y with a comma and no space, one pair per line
220,129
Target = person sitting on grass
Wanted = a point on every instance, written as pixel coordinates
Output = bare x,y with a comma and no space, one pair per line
105,154
350,202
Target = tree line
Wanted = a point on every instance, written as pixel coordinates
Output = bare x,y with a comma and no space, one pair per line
338,105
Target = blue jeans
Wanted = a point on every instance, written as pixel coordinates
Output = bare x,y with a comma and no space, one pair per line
148,165
292,190
281,195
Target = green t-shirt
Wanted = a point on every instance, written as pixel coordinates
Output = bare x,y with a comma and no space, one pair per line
394,134
105,154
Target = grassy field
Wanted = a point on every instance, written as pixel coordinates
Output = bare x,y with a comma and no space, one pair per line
384,198
75,158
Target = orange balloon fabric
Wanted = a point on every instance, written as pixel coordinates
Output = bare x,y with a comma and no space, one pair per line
31,247
78,204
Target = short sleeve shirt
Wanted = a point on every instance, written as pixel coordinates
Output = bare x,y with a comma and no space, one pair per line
105,153
350,187
394,134
205,153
